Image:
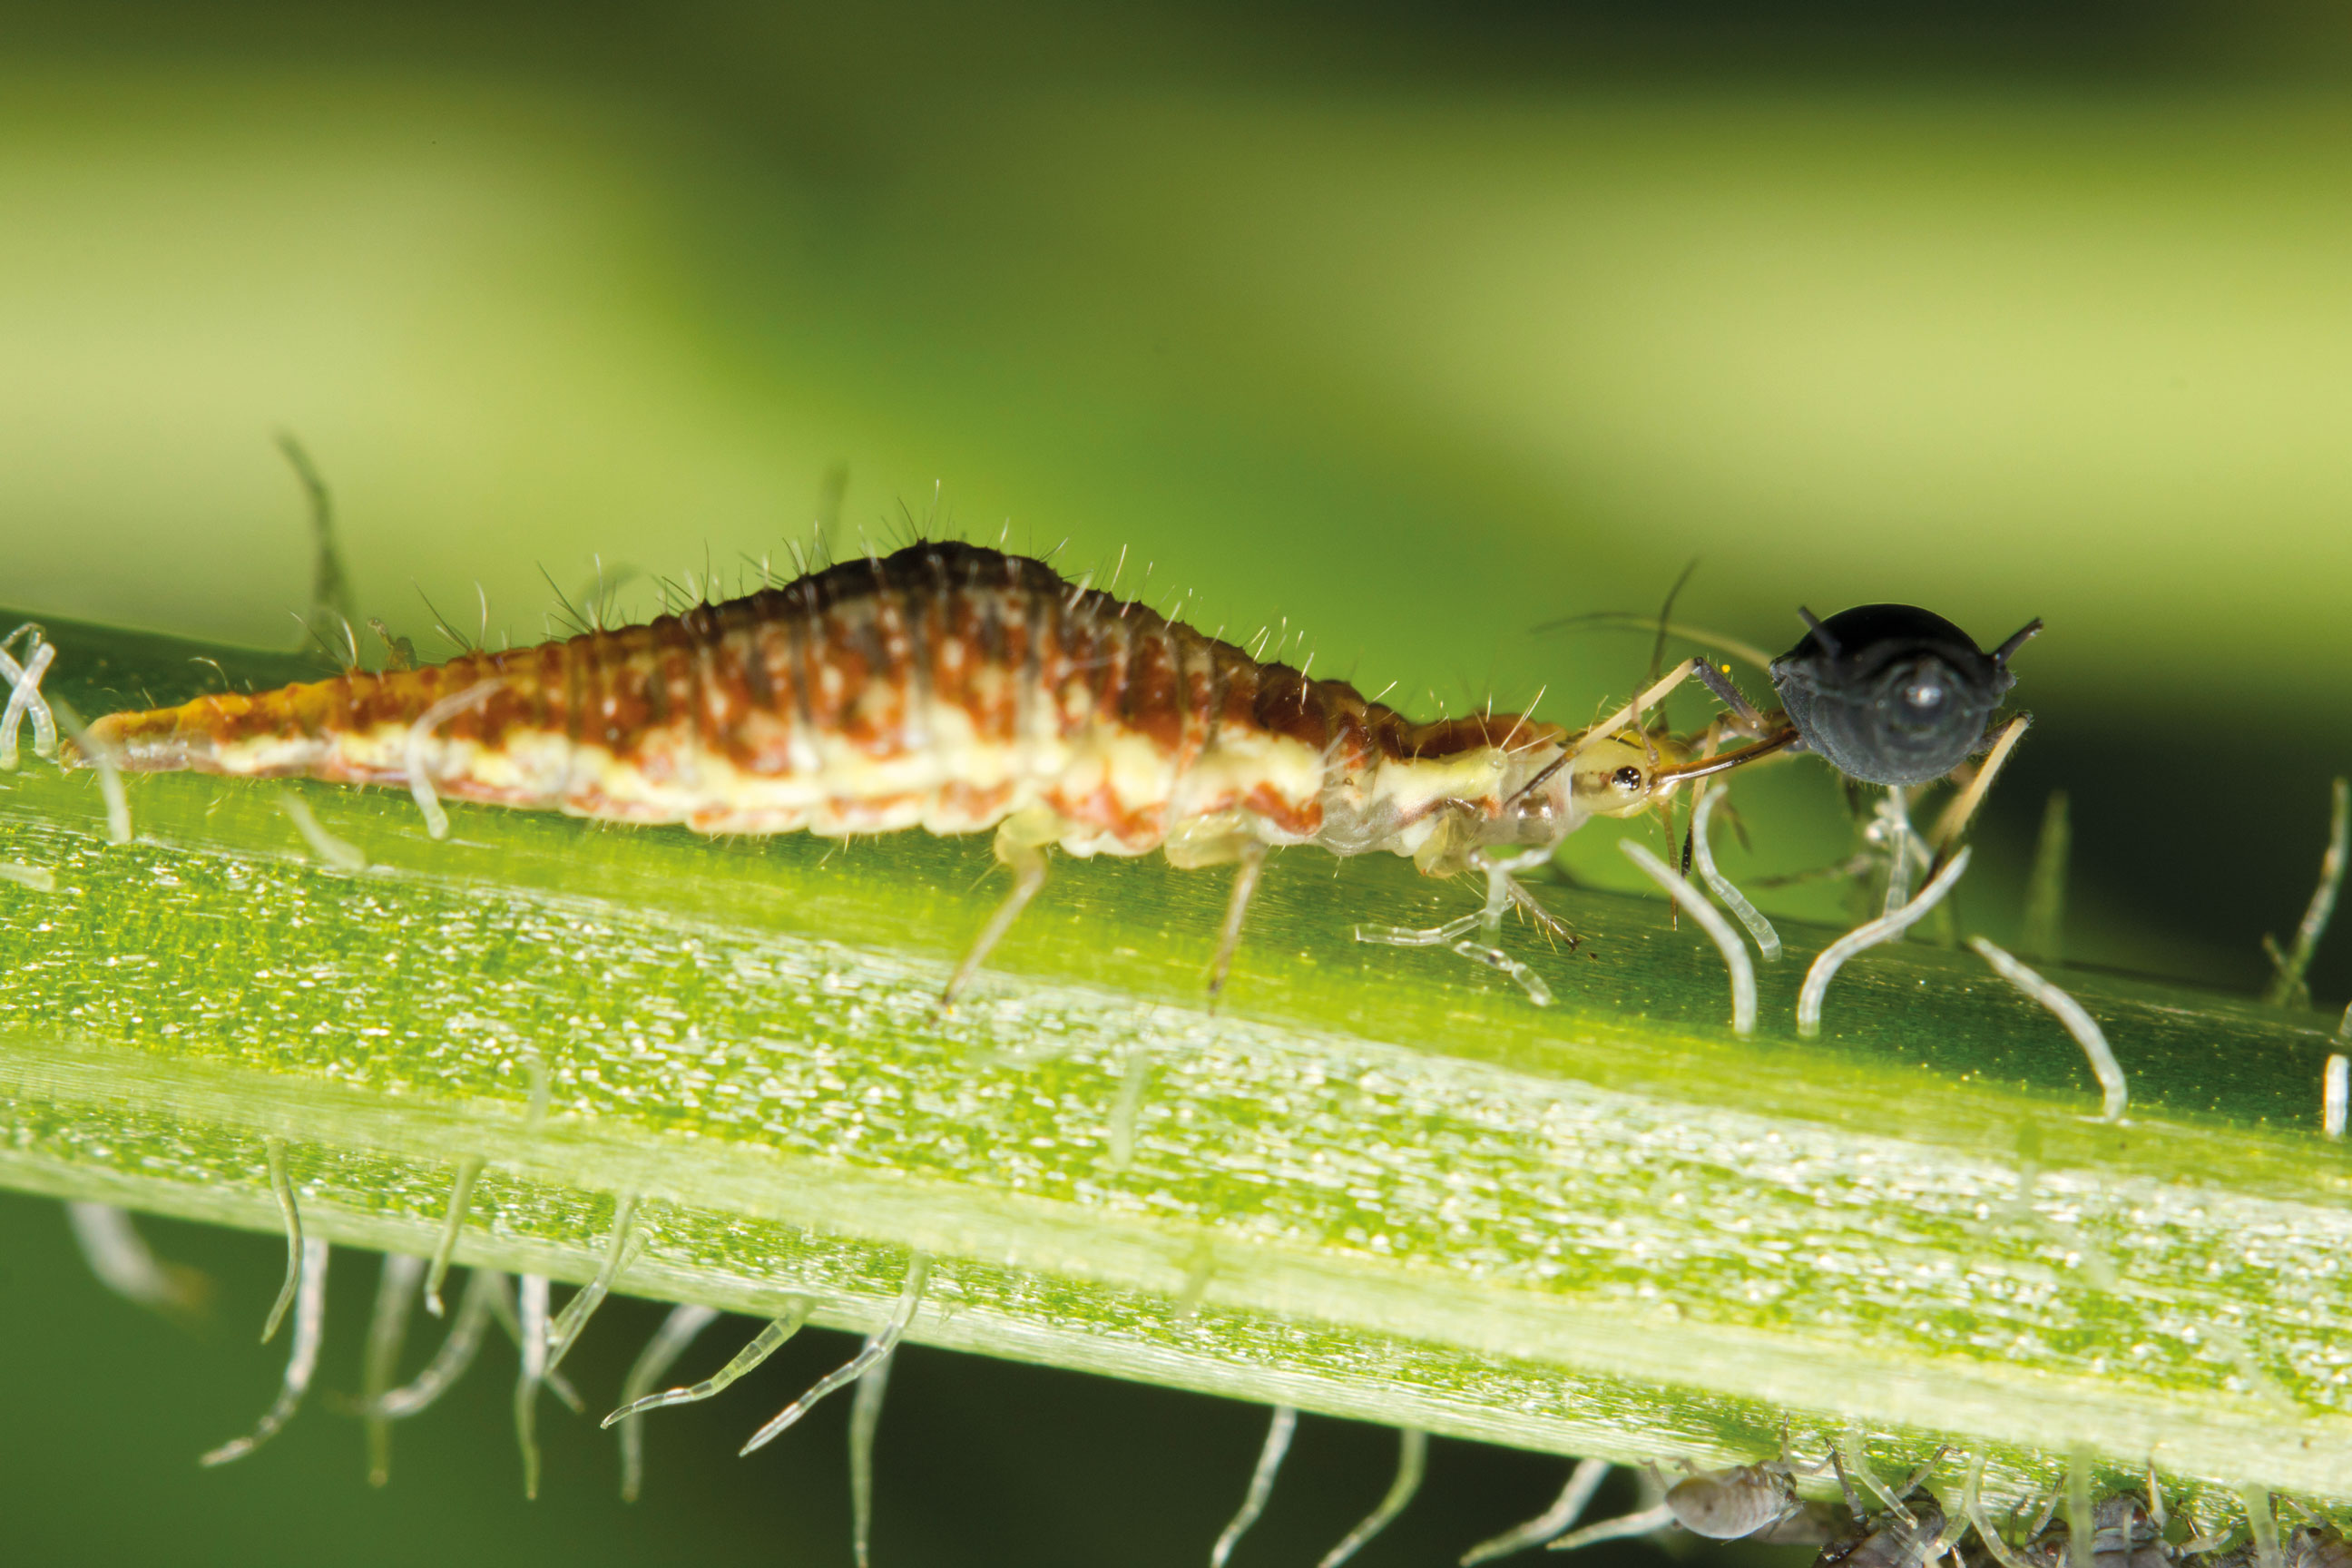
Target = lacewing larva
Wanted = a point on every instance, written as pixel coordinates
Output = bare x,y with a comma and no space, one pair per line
954,687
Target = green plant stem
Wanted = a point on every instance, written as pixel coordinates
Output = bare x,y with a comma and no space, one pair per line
1372,1182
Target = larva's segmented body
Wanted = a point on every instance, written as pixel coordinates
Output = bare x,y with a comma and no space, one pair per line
947,687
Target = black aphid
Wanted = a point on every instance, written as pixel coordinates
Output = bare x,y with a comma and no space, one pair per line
1891,694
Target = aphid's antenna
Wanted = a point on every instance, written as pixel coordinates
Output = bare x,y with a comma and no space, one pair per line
1278,1432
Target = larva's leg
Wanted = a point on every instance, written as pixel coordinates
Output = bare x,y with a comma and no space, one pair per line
1228,935
1020,844
1503,892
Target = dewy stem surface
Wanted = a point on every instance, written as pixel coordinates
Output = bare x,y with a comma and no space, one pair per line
1375,1182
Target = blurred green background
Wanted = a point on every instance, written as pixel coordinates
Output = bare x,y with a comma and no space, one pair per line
1408,327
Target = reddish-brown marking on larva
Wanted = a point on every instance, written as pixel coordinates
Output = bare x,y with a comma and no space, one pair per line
948,687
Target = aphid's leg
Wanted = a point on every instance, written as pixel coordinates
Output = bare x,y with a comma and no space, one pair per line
25,699
123,1263
1566,1508
1413,1461
39,878
1727,941
1020,845
1955,820
2334,1081
2113,1093
457,1353
1617,1528
765,1343
531,1306
281,1183
864,1415
2156,1515
574,1320
1261,1483
1890,829
2287,989
452,1220
1767,941
301,1357
2045,935
669,1341
919,1273
396,1292
1228,935
1746,719
1885,929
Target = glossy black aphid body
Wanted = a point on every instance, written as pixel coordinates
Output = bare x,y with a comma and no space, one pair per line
1891,694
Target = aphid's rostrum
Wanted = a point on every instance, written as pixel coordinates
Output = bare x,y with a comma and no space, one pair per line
947,687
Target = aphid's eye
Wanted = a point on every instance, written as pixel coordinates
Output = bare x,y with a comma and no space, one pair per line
1628,779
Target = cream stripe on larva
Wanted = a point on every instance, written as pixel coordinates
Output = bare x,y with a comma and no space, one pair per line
946,687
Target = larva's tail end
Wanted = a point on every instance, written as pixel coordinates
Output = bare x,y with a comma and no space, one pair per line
146,742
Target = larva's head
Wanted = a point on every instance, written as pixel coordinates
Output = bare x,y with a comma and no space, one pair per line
1555,789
